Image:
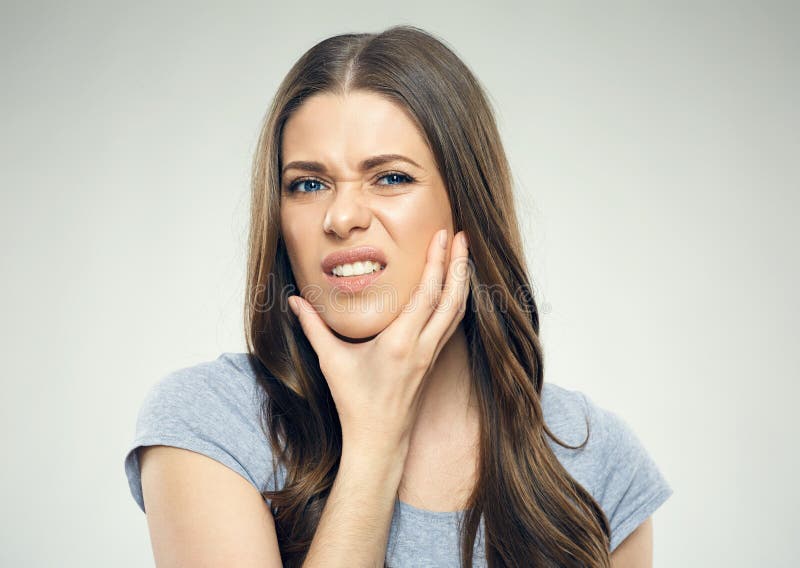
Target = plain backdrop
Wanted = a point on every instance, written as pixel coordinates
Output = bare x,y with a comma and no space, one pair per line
655,153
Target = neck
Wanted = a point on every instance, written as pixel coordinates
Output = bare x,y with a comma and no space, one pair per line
448,398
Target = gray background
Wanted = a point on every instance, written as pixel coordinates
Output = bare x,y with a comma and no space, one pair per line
655,151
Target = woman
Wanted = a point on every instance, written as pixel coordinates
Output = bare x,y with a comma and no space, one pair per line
397,411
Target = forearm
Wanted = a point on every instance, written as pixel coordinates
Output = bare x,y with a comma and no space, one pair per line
355,522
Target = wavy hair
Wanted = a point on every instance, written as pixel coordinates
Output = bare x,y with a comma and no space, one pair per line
535,513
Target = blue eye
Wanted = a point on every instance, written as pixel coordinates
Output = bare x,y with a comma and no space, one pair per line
294,185
398,177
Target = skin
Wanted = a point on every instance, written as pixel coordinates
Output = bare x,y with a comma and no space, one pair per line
636,551
346,207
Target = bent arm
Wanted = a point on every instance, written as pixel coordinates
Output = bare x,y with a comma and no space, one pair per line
354,526
200,513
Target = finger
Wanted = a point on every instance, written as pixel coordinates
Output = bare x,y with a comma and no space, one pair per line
314,328
452,304
459,317
426,293
451,309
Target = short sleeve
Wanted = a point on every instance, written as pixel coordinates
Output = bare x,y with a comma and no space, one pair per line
211,408
629,484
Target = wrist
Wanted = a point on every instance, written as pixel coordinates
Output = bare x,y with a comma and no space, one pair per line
374,459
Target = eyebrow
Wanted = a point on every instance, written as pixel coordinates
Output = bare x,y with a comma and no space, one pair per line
366,165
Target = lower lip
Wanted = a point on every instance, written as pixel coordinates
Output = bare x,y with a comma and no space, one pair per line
353,284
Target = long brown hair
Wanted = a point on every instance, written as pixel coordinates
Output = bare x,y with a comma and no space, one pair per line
535,513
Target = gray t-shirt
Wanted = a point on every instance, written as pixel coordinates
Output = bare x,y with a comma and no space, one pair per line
212,408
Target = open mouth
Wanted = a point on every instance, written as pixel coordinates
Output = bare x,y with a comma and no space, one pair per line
356,269
354,283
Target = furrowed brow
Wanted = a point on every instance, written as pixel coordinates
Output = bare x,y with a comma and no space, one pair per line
366,165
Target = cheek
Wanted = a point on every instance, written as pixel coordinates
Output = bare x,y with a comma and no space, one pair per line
297,244
412,225
417,218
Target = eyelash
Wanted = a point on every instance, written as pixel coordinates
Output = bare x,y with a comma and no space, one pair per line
294,184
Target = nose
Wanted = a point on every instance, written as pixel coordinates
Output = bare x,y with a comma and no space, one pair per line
346,212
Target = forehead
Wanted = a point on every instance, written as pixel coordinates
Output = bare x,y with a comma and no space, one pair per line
343,129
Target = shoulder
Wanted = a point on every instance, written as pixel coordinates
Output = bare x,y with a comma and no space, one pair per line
614,465
212,407
224,380
572,415
220,396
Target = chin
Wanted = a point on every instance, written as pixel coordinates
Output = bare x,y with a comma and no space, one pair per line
358,326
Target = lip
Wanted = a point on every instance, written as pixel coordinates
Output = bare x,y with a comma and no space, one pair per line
353,284
352,255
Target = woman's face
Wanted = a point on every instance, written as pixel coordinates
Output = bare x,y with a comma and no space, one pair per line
343,202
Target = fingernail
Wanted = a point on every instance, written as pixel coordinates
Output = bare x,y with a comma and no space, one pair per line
291,305
464,239
443,238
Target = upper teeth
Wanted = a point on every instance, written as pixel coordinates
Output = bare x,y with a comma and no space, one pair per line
356,268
